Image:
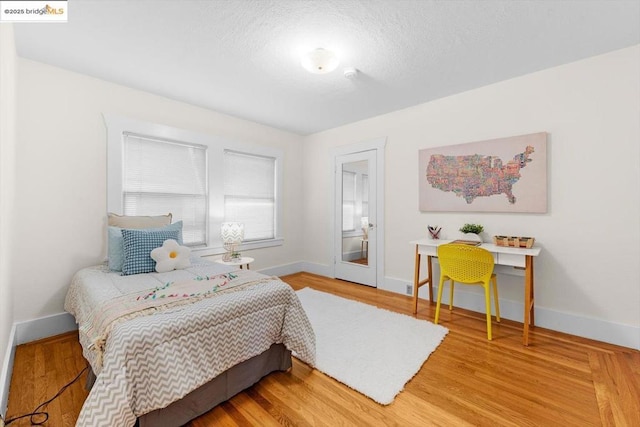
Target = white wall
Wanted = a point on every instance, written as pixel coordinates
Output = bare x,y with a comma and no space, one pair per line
590,108
61,176
8,61
589,268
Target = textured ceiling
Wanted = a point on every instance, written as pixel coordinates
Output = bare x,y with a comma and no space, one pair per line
242,57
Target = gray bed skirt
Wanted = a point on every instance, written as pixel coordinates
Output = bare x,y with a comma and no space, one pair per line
216,391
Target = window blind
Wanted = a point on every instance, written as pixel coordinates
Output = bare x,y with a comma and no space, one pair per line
249,193
162,176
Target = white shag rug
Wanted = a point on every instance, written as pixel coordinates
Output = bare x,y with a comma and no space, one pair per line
374,351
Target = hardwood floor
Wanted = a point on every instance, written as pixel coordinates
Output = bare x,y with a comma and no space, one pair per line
559,380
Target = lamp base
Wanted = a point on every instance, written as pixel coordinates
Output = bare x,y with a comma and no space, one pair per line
231,254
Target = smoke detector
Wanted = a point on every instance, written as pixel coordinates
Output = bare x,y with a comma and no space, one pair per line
350,73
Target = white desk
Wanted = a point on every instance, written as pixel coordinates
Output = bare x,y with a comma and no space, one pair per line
515,257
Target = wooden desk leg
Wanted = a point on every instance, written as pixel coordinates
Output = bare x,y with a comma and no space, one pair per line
532,314
528,299
430,271
416,282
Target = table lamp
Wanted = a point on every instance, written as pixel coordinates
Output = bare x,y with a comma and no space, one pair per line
232,234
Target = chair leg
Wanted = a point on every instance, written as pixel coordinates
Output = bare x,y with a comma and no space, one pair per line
487,303
496,301
451,296
440,286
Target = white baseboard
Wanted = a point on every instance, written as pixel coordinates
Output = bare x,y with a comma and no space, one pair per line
24,332
596,329
281,270
297,267
398,286
5,373
319,269
43,327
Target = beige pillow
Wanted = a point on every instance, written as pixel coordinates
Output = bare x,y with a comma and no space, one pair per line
123,221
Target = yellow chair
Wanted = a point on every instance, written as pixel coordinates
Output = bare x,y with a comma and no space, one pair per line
469,265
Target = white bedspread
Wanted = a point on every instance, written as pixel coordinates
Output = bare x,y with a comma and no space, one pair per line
154,360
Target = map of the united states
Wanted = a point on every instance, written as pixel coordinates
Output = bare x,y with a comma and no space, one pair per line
476,175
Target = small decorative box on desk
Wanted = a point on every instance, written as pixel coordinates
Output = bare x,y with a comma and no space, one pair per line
514,242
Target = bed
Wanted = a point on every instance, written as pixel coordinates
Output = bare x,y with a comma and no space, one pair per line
162,353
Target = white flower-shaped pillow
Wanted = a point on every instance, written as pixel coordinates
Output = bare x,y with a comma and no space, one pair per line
171,256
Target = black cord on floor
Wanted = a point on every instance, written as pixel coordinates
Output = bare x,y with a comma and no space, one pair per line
37,413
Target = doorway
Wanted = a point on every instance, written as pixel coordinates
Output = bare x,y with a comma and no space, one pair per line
358,213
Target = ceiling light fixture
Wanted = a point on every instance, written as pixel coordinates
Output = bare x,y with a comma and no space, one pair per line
320,61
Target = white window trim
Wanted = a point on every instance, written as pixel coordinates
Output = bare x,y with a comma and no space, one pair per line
117,125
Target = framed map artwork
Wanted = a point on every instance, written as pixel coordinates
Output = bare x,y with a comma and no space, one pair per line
498,175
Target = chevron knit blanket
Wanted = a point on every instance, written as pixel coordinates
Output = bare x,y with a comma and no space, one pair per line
172,294
153,360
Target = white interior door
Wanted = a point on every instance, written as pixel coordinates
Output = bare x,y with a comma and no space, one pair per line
356,217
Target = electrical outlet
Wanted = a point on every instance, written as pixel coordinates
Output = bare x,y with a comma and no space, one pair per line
409,292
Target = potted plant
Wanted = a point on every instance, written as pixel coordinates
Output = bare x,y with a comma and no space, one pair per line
472,231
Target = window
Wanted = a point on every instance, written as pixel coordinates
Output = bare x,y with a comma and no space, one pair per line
203,180
249,196
161,176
